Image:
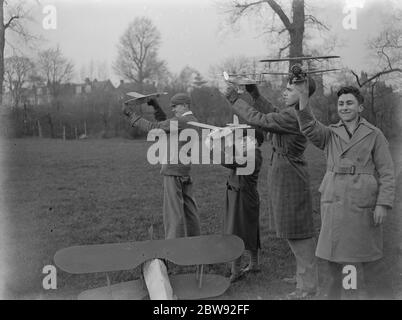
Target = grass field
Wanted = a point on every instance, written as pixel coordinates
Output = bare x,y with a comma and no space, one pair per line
59,194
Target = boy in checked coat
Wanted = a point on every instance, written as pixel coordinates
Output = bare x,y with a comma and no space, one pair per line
356,192
288,179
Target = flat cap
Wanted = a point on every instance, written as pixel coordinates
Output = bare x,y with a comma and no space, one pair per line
180,98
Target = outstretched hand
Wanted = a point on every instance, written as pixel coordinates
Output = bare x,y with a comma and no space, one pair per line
231,94
127,110
152,102
252,89
303,90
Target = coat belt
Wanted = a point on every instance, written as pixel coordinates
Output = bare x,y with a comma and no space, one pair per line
350,169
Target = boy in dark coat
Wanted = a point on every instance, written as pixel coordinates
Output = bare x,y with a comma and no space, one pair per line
243,208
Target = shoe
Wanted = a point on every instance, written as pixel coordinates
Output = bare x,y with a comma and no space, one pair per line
250,269
300,295
234,277
290,280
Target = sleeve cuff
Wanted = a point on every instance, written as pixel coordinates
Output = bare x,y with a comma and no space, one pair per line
388,205
134,118
305,116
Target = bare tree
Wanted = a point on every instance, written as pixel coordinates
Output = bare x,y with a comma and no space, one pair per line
55,69
18,71
293,23
12,15
138,52
388,50
182,81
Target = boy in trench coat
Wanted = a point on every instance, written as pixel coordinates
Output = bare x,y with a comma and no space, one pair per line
288,178
180,213
356,192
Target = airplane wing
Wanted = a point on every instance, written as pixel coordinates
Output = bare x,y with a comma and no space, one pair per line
137,95
299,58
238,126
139,98
203,125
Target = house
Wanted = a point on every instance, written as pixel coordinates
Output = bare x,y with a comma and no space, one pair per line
90,86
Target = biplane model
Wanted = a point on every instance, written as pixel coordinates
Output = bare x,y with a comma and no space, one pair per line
155,282
301,68
298,71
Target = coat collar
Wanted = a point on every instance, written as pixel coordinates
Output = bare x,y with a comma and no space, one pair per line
363,129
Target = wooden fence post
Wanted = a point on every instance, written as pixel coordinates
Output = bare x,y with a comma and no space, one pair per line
39,130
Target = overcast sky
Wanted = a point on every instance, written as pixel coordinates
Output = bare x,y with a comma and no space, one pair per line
193,32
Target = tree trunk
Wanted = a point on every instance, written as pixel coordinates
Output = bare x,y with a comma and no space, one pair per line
296,32
2,44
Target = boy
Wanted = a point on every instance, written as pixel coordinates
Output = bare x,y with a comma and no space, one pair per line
180,213
243,208
288,178
357,189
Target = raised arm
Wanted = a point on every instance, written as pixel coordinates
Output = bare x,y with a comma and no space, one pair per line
315,131
146,125
276,122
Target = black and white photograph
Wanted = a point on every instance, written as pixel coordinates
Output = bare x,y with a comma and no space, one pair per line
219,151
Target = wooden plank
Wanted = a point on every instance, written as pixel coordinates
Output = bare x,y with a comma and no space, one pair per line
157,280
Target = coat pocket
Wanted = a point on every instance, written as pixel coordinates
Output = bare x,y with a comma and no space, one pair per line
364,191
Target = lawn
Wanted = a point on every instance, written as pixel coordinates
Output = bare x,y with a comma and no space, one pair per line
57,194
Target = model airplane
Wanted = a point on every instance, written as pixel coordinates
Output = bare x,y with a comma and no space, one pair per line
139,98
242,80
156,283
299,71
215,137
221,132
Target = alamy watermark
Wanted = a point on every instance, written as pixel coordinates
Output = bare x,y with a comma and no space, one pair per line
350,279
223,146
49,22
349,22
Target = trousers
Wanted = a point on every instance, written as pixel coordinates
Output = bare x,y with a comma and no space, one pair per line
180,212
306,264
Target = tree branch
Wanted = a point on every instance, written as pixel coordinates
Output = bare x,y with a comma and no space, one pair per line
9,21
283,49
282,15
374,77
315,21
